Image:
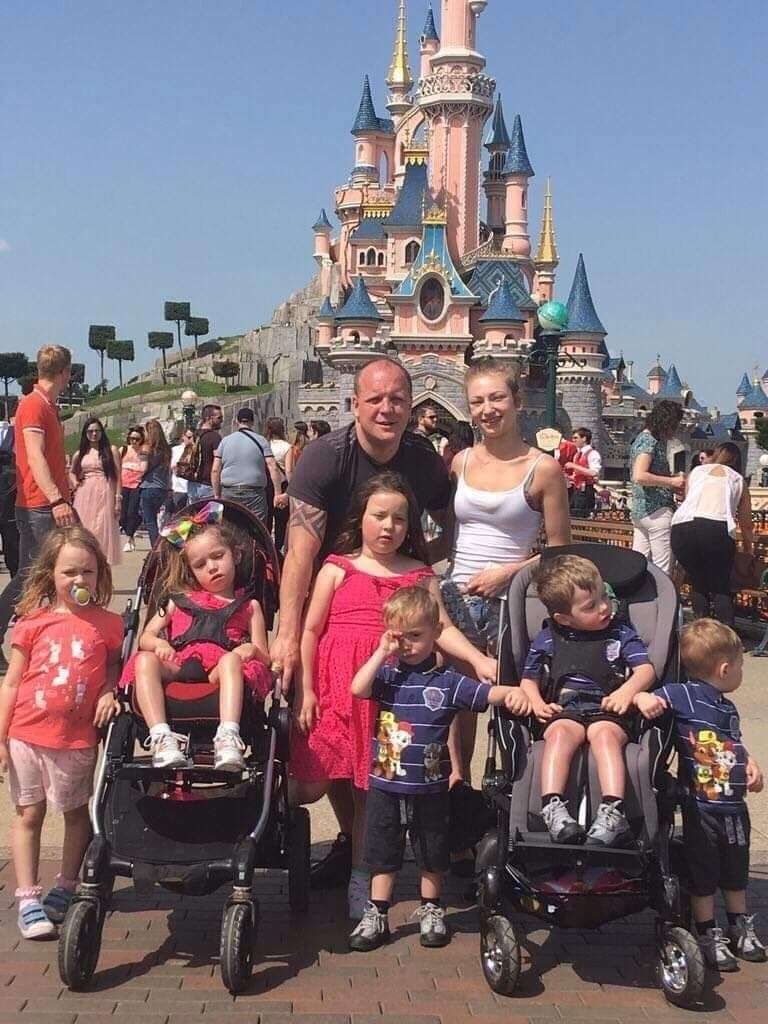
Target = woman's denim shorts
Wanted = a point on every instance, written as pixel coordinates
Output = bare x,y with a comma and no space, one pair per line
476,617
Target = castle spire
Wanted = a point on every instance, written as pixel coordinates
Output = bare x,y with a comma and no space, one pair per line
547,253
517,159
399,76
582,316
430,29
366,120
497,139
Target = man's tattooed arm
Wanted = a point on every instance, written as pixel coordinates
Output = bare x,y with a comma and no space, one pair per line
307,517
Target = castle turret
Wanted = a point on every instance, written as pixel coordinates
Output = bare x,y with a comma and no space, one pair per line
358,317
547,257
656,377
373,136
584,340
322,229
672,389
325,322
745,386
752,411
497,144
502,321
429,43
400,79
517,171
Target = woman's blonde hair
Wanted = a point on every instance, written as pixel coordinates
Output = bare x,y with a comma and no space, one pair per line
487,366
40,589
174,575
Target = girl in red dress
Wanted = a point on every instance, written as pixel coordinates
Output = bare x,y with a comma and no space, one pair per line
381,550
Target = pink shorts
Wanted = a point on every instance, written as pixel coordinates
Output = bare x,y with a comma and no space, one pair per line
62,777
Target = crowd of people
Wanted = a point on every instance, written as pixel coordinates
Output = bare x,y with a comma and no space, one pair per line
389,662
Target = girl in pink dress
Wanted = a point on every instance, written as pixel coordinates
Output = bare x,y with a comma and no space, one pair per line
381,550
207,626
95,483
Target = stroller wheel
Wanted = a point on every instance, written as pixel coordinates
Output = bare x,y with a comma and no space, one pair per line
238,942
299,842
80,943
680,967
499,954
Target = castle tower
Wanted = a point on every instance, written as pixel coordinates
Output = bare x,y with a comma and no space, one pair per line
497,144
753,409
399,79
502,321
429,43
456,98
517,171
325,322
656,377
547,258
322,255
373,136
585,341
672,388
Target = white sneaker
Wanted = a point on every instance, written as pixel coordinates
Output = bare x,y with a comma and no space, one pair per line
228,750
34,922
358,894
129,545
166,752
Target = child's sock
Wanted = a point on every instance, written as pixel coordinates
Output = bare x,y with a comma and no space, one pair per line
381,905
228,727
702,927
733,919
30,894
434,900
161,729
69,884
550,796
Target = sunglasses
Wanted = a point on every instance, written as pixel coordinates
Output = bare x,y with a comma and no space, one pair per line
93,430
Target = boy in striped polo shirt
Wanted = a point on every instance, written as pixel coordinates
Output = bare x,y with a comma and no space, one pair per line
717,772
410,763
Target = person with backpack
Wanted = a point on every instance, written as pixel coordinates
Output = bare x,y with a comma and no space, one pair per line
201,459
244,469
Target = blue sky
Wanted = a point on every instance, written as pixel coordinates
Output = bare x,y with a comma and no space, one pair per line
181,150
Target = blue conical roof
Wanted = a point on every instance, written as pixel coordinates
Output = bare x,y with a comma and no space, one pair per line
517,158
359,305
756,399
582,317
745,386
430,29
366,120
502,307
498,136
765,375
322,222
672,387
327,310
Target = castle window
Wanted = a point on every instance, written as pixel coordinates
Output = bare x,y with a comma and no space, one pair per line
381,259
432,299
355,337
347,405
361,259
371,257
411,253
525,200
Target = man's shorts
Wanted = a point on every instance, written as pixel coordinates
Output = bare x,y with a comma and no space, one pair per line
388,816
63,778
716,849
585,707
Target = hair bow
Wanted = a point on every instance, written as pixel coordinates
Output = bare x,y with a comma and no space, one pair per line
179,530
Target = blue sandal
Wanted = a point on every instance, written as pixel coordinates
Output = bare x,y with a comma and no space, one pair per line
56,903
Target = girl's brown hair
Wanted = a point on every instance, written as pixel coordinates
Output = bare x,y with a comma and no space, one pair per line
174,575
487,366
156,442
728,454
351,537
40,589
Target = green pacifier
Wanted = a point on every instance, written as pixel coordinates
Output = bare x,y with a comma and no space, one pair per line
80,595
613,601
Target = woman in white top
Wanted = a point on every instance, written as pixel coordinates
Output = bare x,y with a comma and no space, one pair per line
505,491
704,527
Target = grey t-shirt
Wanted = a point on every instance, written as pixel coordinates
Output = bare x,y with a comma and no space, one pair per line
242,464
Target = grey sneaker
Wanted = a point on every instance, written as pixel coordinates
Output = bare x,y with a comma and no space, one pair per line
717,955
166,750
372,932
434,931
744,941
228,750
562,827
610,827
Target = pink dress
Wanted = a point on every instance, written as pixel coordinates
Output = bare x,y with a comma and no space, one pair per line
339,747
94,503
256,675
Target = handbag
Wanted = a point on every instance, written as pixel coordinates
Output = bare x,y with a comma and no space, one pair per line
747,572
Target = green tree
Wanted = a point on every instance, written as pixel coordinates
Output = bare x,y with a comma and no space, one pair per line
178,311
121,351
197,327
12,366
99,336
76,381
762,433
162,340
227,370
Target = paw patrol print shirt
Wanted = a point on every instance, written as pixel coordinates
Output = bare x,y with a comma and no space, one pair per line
709,745
67,658
417,703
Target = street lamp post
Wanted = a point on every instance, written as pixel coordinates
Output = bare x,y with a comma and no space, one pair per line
553,320
188,403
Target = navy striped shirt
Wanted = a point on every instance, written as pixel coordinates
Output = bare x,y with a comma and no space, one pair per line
623,649
417,704
713,760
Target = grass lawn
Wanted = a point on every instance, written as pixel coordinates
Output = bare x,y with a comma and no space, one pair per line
204,388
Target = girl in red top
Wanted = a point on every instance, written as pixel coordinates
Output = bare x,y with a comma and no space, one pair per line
58,691
381,550
207,627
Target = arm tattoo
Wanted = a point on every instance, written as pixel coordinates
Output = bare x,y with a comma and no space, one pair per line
309,518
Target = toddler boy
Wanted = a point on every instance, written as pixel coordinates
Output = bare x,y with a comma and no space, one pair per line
410,764
590,656
717,772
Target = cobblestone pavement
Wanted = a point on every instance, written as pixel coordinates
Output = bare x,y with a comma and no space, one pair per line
159,965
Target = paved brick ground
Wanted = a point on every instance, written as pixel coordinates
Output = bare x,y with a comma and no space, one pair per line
159,966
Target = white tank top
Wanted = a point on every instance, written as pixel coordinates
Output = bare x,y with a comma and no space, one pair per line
493,527
712,495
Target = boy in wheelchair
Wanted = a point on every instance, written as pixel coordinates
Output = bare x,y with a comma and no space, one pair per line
581,675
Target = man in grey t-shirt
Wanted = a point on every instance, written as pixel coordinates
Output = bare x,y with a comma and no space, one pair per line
242,465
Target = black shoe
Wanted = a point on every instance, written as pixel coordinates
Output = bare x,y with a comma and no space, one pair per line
336,867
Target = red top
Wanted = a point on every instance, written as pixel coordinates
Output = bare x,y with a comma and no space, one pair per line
66,671
36,412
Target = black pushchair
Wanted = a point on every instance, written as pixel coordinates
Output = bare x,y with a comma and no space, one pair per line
586,886
194,829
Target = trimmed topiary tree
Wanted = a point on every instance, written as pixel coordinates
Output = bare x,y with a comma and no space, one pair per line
76,381
227,370
99,336
197,327
209,348
121,351
12,366
178,311
162,340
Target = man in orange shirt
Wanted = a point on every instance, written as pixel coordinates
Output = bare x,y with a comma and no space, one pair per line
42,497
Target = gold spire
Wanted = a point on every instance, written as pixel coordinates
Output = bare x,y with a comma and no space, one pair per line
547,246
399,76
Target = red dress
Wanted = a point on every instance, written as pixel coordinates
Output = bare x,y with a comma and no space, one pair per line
339,746
256,675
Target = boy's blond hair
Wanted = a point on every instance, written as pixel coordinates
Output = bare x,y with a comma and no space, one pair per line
411,604
704,644
557,579
51,360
